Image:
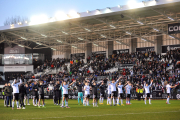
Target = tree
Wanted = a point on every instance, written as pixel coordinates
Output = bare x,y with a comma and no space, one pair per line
15,20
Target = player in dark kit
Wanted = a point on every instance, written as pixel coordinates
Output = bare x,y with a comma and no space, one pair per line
41,87
94,92
35,93
57,93
22,92
4,96
80,93
102,90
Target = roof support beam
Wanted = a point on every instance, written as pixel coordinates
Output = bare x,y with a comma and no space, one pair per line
53,38
89,31
9,41
132,34
151,26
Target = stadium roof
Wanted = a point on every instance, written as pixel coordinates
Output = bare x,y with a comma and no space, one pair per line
139,20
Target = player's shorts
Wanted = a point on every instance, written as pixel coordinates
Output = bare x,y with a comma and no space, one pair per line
41,96
128,95
87,96
101,94
148,95
120,95
65,95
16,96
35,97
113,94
168,94
109,95
95,96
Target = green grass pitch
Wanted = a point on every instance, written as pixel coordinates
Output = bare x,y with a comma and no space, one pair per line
158,110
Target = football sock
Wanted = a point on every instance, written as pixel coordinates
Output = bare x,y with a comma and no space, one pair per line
17,103
66,104
117,101
81,100
78,100
62,103
13,104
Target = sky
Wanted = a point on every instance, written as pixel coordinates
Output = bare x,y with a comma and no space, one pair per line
29,8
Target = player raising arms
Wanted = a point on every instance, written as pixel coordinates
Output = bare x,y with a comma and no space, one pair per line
168,88
41,87
102,90
80,92
109,94
147,92
113,90
87,93
128,92
65,93
94,92
35,93
120,93
15,86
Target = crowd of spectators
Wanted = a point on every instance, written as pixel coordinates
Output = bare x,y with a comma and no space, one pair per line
55,63
145,66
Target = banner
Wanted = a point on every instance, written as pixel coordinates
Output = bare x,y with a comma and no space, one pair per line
169,47
17,68
120,51
157,94
99,53
78,56
174,28
145,49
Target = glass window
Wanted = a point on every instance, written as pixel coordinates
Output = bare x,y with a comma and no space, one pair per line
11,59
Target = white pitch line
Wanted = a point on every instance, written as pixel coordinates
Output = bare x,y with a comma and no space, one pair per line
98,115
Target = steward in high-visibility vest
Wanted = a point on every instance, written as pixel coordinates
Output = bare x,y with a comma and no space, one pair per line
141,91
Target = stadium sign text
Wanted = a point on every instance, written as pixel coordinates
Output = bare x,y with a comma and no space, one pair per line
173,28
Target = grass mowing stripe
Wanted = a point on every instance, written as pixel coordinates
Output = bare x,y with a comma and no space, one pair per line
137,111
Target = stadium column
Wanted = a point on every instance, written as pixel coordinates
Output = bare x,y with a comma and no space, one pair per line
133,45
109,50
67,54
157,44
88,51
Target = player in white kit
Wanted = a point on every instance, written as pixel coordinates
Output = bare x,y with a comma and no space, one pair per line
65,93
113,90
168,88
120,93
147,92
87,94
128,92
15,86
109,94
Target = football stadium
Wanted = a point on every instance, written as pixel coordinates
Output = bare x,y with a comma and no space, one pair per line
118,62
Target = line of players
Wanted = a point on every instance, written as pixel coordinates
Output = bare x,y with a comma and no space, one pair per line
112,92
115,92
21,91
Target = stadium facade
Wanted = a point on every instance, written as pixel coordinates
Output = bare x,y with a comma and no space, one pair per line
146,26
